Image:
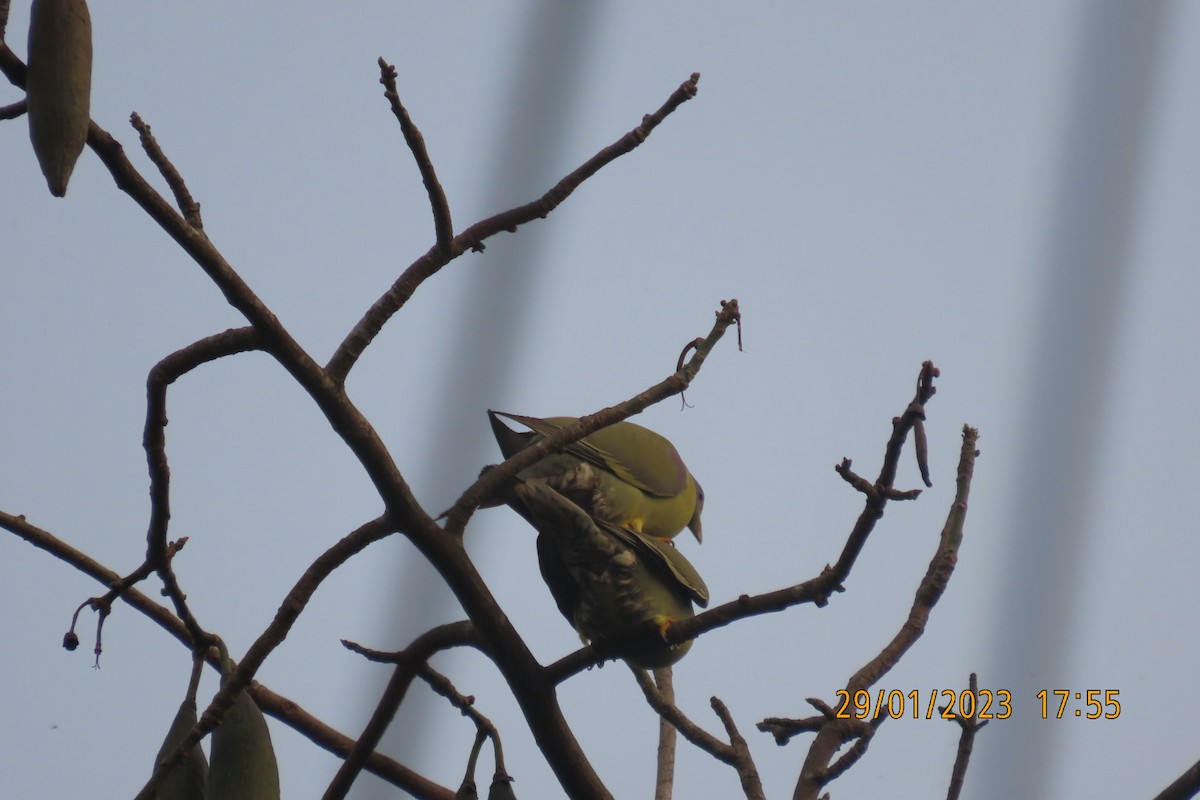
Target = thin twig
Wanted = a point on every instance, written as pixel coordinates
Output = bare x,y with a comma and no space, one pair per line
925,390
13,110
784,728
443,228
664,781
467,787
876,502
183,197
102,604
966,741
742,760
378,656
415,655
466,705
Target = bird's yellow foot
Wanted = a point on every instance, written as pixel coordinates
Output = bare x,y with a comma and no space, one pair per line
662,625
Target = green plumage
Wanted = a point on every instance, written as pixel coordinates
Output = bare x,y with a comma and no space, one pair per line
613,584
624,474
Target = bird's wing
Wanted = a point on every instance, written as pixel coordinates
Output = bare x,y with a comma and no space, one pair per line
636,455
662,556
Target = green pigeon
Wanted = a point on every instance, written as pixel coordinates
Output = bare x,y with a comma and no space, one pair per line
624,474
613,584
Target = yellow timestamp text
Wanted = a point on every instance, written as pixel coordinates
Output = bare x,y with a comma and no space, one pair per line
983,704
1087,704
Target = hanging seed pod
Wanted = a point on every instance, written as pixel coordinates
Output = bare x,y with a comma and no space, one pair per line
243,761
188,780
58,86
467,791
501,788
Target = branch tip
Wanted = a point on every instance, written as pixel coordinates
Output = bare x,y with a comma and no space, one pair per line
183,196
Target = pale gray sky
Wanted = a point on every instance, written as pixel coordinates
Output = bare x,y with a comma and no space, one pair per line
877,184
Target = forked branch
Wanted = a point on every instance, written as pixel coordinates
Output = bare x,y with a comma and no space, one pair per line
819,767
285,710
442,252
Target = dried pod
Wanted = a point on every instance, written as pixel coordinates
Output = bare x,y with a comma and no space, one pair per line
243,760
501,788
58,86
188,780
467,791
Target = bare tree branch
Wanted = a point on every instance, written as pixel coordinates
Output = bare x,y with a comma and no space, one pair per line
465,704
183,197
673,714
742,760
818,590
966,740
12,67
438,256
443,228
340,745
13,110
664,781
736,753
468,788
413,658
817,770
285,710
488,628
351,544
534,694
443,686
162,375
1184,787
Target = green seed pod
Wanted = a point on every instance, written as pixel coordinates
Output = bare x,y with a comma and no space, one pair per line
187,780
243,760
58,86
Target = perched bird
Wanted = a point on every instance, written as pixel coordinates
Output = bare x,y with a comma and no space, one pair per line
613,584
624,474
